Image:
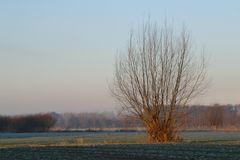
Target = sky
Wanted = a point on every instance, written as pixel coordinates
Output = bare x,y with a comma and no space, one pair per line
58,55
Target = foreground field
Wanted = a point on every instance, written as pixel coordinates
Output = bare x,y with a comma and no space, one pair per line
116,145
94,138
125,152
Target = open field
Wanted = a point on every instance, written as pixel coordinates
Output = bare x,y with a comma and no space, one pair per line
69,138
125,152
116,145
94,138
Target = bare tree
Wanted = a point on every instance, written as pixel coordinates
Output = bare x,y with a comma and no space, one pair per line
215,116
157,78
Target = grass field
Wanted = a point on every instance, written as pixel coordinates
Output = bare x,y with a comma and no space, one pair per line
69,138
125,152
116,145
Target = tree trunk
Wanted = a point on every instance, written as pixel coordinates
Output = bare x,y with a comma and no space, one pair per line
161,133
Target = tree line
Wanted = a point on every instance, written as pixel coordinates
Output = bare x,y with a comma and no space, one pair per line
94,121
27,123
197,117
213,117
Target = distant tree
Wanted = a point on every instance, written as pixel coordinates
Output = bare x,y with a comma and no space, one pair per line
4,123
27,123
157,78
216,116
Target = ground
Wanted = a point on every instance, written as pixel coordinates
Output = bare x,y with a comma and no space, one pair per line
125,152
116,146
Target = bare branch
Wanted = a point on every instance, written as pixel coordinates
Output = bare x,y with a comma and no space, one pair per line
157,77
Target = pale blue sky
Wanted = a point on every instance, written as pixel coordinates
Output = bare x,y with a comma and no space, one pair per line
58,55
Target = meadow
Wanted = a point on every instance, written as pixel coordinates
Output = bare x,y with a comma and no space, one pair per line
117,145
